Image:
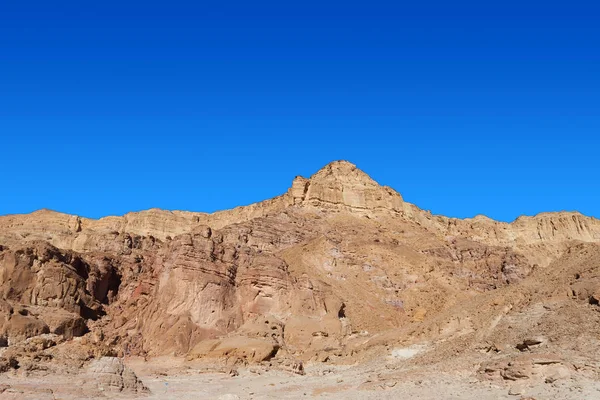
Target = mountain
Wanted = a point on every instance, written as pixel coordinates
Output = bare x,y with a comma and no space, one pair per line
336,270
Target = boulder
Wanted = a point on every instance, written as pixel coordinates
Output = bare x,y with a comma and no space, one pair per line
20,327
64,323
239,348
109,374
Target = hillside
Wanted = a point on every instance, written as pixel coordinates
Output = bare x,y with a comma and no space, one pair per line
336,271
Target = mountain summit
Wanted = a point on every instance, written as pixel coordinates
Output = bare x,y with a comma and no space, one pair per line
341,183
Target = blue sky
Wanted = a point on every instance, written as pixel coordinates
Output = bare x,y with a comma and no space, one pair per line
465,108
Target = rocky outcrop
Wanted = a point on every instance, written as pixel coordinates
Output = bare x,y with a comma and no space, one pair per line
39,274
16,328
109,375
239,349
336,265
537,368
207,284
341,184
47,290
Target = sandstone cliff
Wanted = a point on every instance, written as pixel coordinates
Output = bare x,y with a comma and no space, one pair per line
336,265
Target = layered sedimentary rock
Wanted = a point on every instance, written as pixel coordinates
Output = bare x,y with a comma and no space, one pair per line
343,185
335,266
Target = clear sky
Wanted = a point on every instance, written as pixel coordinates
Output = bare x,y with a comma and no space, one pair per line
463,107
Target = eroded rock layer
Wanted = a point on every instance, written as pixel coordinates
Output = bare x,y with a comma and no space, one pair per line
336,266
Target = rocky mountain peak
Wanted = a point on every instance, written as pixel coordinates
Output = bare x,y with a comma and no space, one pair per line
343,174
341,183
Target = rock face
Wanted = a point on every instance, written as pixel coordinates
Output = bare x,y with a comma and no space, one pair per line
108,374
341,184
336,266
